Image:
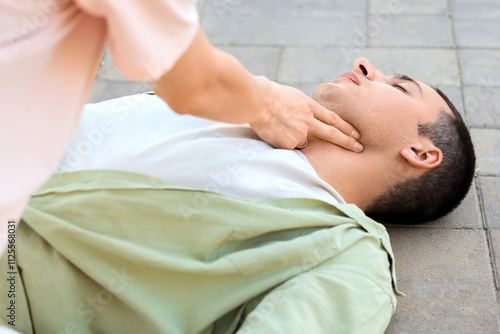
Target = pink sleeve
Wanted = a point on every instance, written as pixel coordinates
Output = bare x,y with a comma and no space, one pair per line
49,53
146,37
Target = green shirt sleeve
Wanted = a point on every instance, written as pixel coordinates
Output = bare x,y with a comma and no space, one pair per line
327,299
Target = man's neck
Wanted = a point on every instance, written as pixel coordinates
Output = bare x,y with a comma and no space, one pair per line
357,177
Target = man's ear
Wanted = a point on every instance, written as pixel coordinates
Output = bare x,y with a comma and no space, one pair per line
423,154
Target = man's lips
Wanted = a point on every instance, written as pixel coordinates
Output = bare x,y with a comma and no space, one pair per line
351,76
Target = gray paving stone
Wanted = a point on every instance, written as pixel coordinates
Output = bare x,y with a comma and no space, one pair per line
104,89
410,31
475,8
312,65
490,196
495,252
225,10
257,60
480,67
409,6
487,147
302,22
483,106
425,65
308,64
107,70
447,279
474,32
477,23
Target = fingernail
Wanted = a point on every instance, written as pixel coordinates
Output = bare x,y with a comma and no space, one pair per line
358,147
355,134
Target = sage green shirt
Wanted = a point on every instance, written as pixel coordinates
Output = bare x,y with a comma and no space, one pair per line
118,252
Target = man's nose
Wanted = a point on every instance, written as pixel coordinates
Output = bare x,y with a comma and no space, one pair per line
363,66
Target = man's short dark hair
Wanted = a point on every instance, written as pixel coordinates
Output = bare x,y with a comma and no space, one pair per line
439,190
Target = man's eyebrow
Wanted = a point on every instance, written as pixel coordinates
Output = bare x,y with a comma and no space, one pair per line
407,78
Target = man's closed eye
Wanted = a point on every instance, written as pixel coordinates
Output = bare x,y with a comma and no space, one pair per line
398,86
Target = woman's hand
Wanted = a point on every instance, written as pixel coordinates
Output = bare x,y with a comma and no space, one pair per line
209,83
289,116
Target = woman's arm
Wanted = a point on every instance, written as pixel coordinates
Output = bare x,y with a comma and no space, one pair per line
212,84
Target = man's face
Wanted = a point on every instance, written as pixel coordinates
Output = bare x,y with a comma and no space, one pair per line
386,110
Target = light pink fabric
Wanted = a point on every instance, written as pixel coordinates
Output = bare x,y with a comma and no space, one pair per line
49,53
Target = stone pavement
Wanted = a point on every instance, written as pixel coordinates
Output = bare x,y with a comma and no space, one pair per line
449,269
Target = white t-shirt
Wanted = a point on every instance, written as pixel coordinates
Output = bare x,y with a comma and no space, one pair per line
141,134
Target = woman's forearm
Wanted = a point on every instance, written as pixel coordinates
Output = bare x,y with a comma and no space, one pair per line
213,84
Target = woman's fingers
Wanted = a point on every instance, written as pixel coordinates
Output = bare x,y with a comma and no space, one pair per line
331,127
293,116
331,118
335,136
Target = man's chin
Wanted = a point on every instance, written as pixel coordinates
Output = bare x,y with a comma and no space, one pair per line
323,93
330,96
333,98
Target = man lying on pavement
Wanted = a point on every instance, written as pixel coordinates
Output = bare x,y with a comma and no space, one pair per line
167,223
